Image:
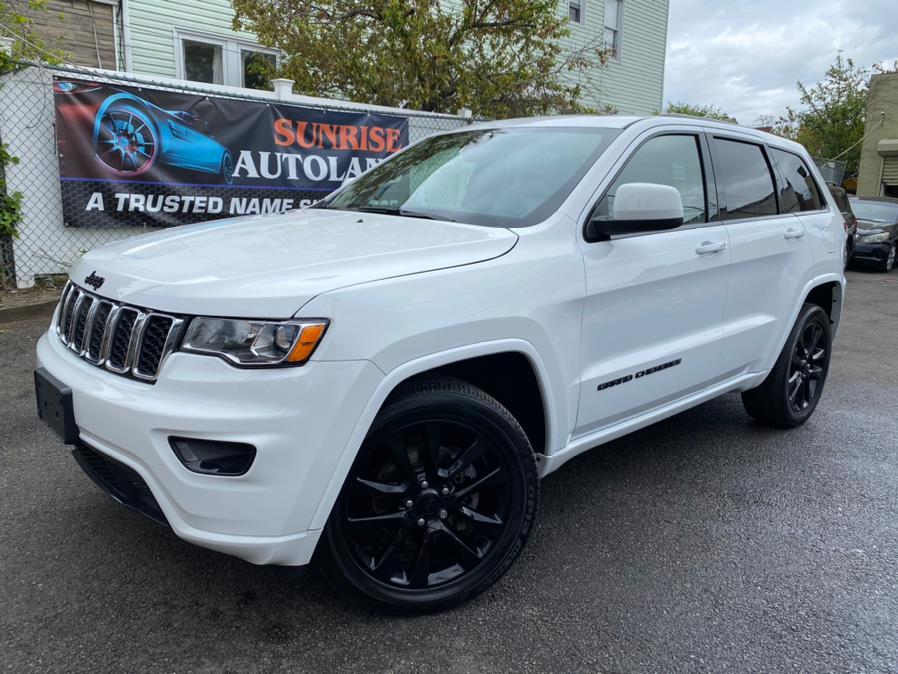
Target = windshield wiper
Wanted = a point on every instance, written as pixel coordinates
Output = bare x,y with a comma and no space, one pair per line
402,212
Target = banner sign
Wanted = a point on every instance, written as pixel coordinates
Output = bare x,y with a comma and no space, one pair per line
134,156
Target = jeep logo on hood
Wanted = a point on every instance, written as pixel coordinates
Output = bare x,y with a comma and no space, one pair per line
94,281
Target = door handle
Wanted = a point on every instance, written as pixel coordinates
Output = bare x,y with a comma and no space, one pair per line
710,247
793,233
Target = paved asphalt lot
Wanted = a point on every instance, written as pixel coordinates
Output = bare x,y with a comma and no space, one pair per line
704,543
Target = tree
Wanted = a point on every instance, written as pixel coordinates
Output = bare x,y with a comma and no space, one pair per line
706,111
22,43
831,121
498,58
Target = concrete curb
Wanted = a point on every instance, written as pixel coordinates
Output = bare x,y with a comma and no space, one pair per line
40,309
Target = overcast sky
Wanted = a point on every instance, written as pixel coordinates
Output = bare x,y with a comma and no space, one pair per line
746,56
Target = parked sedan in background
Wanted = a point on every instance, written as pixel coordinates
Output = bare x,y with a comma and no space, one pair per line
877,231
841,197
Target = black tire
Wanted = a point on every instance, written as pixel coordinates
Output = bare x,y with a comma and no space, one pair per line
888,264
790,393
451,521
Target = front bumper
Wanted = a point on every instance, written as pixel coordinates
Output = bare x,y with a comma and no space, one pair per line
871,252
299,419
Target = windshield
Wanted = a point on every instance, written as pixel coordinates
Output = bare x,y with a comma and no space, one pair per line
493,177
875,211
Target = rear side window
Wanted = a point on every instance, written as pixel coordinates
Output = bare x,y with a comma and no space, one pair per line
747,182
799,191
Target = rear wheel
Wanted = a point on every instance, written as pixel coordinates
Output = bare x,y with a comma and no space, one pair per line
227,168
790,393
438,504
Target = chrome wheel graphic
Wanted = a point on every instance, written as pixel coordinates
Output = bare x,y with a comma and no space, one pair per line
126,141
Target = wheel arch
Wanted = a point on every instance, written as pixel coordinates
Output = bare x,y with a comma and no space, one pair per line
462,359
827,294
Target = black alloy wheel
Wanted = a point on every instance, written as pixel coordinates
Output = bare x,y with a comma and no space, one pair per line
806,368
792,389
438,503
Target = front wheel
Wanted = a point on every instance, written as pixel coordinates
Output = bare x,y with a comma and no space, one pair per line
889,263
790,393
438,504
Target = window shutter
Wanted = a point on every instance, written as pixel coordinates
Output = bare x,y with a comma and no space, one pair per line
890,171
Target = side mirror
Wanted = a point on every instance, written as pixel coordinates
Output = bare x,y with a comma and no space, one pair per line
640,207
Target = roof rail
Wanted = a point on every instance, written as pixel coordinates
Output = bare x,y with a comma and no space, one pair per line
682,115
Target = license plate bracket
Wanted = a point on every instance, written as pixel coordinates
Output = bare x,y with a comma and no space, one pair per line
54,405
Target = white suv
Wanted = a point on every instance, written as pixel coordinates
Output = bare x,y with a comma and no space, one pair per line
381,380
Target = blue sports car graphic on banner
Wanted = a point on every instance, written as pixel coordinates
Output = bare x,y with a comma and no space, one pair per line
138,156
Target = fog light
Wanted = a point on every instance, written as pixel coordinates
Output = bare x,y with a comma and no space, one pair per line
213,457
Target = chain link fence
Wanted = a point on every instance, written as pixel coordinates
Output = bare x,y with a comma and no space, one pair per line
832,170
45,248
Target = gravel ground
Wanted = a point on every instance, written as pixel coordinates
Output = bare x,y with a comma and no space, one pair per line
703,543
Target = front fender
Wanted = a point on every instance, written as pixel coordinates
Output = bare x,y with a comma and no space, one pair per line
396,376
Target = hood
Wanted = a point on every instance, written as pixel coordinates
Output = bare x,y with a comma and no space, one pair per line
867,227
269,266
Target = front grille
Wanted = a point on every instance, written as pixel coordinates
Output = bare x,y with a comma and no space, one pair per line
123,339
155,335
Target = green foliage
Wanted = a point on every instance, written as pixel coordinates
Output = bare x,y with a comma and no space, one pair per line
10,204
831,121
706,111
498,58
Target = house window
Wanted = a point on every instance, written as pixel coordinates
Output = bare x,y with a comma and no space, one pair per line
257,68
220,60
614,13
574,11
203,62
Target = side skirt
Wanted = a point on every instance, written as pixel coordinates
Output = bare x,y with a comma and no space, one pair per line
549,464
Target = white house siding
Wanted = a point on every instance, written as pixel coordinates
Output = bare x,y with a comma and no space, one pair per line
632,84
152,26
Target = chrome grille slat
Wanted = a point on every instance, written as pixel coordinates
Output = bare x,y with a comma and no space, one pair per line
121,340
97,322
72,320
79,323
67,309
150,352
60,314
111,335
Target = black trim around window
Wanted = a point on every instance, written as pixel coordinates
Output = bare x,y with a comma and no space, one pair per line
778,181
825,208
721,189
711,196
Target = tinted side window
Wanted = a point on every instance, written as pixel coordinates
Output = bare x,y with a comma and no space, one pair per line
799,193
746,178
665,160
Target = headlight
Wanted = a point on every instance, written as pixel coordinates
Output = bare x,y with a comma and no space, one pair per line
879,237
257,343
